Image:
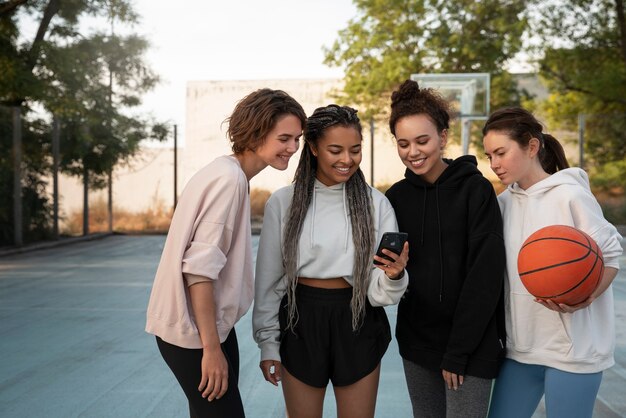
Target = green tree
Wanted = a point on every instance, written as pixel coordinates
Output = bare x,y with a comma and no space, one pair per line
389,40
88,80
585,70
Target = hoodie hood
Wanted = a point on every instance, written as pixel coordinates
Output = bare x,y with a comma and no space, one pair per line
568,176
455,173
327,192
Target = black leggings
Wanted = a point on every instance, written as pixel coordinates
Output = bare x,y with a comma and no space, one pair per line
185,364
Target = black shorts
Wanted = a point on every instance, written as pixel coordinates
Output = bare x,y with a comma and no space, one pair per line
323,346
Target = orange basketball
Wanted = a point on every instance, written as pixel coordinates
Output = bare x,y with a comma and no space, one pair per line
561,263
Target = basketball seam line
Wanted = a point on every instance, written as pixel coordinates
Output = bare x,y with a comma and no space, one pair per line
562,239
581,282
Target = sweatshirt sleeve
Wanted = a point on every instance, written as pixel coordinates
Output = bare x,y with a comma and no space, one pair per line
269,286
383,291
205,255
587,216
483,284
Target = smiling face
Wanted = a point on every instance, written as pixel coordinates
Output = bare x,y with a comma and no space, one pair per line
420,146
338,154
281,142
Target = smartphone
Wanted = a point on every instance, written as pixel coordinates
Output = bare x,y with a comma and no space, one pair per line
392,241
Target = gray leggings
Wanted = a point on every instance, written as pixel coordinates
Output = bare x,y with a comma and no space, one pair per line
431,398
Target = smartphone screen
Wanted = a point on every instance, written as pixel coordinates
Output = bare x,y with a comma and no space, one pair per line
392,241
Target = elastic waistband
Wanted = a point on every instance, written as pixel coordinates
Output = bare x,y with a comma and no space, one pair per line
304,293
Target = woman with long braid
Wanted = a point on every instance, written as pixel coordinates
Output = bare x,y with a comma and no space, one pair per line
318,312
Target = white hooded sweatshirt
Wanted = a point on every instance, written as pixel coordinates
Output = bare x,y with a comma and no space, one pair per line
325,250
579,342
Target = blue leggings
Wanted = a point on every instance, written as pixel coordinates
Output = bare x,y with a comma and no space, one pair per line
519,388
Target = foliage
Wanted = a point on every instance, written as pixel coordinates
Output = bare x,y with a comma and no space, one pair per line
97,133
35,203
89,80
391,39
586,74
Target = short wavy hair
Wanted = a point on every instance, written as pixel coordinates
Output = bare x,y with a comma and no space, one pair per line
256,115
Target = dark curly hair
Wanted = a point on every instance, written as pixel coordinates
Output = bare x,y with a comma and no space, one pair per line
409,100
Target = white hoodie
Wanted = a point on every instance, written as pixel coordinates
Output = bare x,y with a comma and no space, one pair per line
325,250
580,342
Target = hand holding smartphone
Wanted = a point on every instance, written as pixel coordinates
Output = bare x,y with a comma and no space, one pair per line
392,241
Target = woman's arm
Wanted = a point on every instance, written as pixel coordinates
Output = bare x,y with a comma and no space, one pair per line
214,382
588,217
388,281
605,282
267,295
481,290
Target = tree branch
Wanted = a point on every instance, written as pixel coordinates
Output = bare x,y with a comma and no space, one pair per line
51,9
8,7
570,87
621,23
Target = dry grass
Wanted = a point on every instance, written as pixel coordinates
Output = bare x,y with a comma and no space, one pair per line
153,220
156,219
258,197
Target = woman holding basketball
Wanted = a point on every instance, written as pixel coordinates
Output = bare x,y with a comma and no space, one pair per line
450,326
552,349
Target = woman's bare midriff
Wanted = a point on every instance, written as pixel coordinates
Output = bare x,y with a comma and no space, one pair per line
334,283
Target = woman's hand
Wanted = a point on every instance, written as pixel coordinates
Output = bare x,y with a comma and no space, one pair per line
271,371
214,382
394,268
563,308
605,282
453,380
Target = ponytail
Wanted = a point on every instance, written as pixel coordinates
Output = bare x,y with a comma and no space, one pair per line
521,126
552,155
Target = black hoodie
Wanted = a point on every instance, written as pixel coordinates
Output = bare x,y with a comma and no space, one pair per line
452,315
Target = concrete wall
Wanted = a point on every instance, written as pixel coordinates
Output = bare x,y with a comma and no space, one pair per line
148,179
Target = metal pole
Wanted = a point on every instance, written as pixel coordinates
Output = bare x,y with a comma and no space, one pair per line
85,200
175,165
56,133
581,140
18,237
372,152
110,202
465,134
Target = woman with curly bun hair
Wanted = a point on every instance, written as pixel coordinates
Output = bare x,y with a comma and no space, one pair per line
204,283
318,312
450,325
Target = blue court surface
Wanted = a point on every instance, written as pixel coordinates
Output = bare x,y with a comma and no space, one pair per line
72,342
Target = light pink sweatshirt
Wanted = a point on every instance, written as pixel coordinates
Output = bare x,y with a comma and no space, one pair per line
210,237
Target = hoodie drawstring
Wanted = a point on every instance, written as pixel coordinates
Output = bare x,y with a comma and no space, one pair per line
423,217
313,219
345,217
345,214
440,246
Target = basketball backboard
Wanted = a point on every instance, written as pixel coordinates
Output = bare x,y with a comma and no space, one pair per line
468,93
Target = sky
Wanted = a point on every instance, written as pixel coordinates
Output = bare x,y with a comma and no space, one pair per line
235,40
